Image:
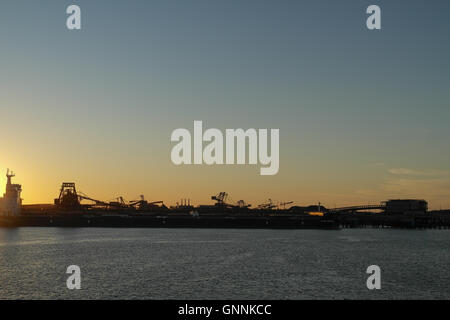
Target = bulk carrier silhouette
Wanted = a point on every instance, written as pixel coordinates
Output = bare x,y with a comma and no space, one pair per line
70,210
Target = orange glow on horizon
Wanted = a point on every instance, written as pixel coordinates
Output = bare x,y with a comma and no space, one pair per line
320,214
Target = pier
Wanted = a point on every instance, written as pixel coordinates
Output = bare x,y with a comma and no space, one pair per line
69,211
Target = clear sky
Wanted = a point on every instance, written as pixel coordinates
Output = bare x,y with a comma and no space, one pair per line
363,115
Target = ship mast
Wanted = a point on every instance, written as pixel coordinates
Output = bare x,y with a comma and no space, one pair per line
9,176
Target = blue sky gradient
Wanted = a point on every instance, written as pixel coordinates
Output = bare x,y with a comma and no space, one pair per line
353,106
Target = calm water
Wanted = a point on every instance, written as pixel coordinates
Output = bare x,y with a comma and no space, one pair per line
223,264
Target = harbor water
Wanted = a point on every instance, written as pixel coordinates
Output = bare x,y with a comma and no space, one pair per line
223,263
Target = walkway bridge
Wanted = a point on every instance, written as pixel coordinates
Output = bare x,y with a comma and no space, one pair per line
359,208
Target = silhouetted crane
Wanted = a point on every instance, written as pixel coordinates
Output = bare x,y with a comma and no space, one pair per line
283,204
268,205
221,198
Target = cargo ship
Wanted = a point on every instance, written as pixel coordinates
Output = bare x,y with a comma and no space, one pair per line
68,210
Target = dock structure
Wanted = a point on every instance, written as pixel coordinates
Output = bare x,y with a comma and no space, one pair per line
69,211
395,213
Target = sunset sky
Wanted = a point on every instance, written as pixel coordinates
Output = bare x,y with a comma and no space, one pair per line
363,115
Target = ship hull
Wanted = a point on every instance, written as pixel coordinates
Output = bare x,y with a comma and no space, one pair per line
82,221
